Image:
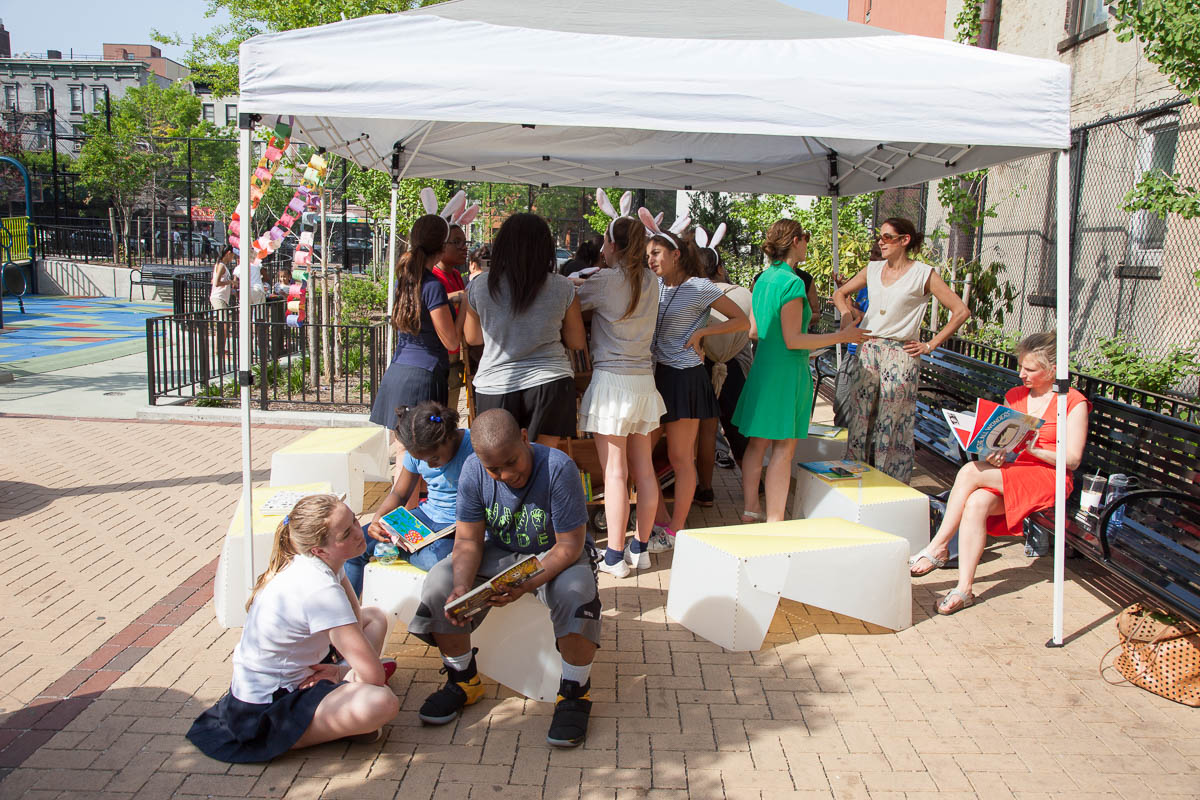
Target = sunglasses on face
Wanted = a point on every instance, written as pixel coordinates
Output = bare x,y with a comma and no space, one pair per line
889,237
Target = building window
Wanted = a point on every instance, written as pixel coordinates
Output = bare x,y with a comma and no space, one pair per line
97,99
76,99
10,98
1089,14
208,113
39,98
230,115
1156,144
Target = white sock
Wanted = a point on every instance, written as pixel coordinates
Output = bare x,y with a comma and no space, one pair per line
570,672
458,663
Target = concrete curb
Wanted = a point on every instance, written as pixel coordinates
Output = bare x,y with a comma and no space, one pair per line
233,416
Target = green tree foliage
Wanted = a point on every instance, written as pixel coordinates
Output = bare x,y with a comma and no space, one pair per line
213,57
143,158
1121,360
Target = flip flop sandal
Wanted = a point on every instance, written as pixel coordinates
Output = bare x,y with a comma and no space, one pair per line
753,516
943,607
934,561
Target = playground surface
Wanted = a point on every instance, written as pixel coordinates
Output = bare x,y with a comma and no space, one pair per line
57,333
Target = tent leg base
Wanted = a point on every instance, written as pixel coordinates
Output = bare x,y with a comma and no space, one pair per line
1052,643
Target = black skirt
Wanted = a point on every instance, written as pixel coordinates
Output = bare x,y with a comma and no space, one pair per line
687,393
240,733
404,386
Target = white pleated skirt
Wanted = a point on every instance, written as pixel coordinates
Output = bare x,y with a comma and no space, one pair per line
618,405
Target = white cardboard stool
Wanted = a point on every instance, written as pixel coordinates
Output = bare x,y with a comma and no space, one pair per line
726,582
516,642
229,588
878,501
346,457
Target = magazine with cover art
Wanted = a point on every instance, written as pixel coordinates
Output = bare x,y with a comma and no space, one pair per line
993,428
476,600
409,532
835,470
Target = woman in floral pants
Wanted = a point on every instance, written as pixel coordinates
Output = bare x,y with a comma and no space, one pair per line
883,394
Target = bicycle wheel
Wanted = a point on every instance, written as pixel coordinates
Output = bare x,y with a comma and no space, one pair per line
14,280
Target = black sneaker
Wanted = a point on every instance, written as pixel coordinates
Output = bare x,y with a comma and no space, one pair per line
461,690
704,498
568,728
725,461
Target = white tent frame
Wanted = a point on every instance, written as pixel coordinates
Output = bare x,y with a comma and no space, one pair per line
881,164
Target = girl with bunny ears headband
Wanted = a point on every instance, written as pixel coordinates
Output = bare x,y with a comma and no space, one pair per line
626,205
456,210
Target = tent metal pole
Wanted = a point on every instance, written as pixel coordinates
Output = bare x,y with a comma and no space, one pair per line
1061,384
247,239
391,267
835,258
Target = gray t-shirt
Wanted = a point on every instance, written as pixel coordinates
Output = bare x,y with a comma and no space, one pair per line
523,350
620,346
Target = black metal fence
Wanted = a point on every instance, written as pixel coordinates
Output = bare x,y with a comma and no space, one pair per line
1133,276
89,240
1091,386
195,356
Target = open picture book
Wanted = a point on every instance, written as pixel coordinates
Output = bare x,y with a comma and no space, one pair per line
993,428
476,600
409,532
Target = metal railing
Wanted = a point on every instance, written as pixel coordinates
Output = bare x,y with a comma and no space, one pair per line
88,243
1091,386
195,356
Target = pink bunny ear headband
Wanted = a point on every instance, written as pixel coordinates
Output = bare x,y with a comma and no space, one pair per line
625,204
702,239
456,212
652,226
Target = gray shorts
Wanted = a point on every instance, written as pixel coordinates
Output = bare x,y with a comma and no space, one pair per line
572,596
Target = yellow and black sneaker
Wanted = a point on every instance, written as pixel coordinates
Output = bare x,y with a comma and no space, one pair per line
569,726
461,690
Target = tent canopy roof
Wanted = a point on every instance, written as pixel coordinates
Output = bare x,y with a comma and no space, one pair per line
755,96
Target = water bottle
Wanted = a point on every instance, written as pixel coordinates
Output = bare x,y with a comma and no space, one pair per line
1119,486
386,552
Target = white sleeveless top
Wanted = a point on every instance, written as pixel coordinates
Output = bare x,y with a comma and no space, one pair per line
896,311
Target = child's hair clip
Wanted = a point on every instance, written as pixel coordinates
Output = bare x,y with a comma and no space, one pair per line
434,418
286,519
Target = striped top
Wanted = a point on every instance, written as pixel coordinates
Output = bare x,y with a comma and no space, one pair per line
682,310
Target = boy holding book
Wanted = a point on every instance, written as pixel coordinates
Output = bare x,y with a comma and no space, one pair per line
528,499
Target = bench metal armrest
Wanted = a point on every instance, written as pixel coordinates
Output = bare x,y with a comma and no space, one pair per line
1141,494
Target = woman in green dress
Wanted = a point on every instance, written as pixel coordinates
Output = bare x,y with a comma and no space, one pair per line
776,405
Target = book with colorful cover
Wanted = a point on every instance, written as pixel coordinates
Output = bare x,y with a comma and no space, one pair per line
409,532
835,470
993,428
476,600
824,431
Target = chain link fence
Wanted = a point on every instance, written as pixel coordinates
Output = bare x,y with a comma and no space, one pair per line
1132,275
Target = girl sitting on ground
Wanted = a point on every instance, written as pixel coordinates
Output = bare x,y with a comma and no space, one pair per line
281,697
435,449
992,497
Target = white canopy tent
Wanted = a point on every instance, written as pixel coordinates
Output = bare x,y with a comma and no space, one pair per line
742,96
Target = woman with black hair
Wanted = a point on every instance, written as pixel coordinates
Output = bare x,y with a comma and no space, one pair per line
523,314
883,394
425,332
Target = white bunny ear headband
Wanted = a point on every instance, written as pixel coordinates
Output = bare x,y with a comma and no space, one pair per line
456,212
702,239
625,204
652,226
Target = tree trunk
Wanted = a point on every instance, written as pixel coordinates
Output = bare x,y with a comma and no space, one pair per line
326,369
338,370
312,321
112,229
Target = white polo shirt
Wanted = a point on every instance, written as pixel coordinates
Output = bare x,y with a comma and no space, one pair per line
287,629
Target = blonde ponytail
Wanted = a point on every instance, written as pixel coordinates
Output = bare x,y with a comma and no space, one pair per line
306,527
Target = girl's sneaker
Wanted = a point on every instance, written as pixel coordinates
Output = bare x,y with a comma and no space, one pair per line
662,539
636,560
617,570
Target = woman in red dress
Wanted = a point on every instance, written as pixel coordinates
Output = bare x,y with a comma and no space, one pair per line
993,496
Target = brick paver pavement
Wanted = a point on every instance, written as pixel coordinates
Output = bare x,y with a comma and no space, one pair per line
966,706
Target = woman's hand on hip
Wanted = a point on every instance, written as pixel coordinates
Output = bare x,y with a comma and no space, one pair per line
916,348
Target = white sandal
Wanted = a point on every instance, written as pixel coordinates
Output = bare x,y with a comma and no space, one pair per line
937,563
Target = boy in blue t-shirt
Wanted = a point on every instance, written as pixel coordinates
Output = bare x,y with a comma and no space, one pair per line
527,499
